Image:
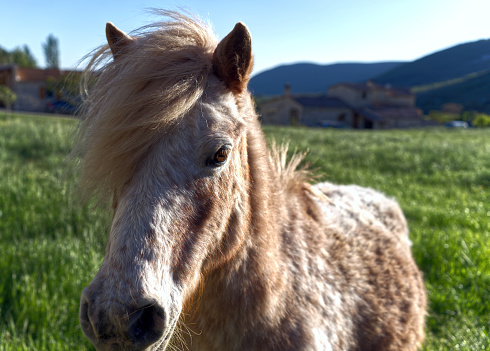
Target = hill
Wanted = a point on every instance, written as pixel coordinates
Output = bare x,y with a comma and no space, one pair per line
452,63
471,91
459,74
314,78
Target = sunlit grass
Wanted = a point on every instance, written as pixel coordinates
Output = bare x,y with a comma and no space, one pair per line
51,246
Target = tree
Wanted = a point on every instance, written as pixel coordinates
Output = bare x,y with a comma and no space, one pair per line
23,57
4,56
51,52
482,121
19,56
7,96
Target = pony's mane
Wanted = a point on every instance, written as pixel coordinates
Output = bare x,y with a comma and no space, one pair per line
289,174
138,96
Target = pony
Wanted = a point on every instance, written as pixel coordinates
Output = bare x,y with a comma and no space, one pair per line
217,242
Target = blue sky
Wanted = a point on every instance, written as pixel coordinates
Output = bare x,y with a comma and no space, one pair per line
283,31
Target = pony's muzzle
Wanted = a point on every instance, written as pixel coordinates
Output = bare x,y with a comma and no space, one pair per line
146,325
140,326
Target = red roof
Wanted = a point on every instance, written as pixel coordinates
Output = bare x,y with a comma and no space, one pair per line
36,74
25,74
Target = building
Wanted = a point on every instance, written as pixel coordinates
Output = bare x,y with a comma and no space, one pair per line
350,105
31,85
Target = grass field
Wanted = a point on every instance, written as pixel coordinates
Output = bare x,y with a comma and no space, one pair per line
51,246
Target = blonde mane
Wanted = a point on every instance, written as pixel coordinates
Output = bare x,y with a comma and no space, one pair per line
287,171
138,96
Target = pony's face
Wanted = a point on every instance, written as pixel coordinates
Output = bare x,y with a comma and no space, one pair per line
174,223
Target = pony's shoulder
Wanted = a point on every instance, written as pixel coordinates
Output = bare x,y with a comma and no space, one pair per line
354,206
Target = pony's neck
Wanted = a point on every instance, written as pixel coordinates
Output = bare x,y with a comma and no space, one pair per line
254,275
267,207
256,223
268,213
249,270
260,256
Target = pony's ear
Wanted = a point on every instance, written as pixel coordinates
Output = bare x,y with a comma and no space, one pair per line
117,39
233,60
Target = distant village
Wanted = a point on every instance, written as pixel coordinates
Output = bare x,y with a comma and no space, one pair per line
346,105
33,87
456,94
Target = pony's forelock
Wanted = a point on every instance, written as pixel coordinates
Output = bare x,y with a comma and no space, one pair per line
138,96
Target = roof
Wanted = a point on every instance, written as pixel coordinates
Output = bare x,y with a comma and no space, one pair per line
320,101
35,74
371,86
25,74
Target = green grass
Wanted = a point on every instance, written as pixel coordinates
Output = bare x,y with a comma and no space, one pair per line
51,246
441,179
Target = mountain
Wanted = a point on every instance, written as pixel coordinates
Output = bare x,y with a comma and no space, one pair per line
460,74
471,91
314,78
455,62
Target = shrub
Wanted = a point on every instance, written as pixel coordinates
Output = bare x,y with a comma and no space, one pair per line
481,121
7,96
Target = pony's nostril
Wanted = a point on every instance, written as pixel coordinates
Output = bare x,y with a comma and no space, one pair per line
85,321
147,325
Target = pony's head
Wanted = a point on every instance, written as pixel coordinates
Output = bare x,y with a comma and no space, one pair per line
165,135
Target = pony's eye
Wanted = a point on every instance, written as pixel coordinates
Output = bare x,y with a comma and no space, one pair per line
221,155
219,158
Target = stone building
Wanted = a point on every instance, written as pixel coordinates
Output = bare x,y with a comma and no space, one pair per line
31,85
346,105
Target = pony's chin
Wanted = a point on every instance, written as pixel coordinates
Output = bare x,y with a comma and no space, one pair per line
116,344
165,341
